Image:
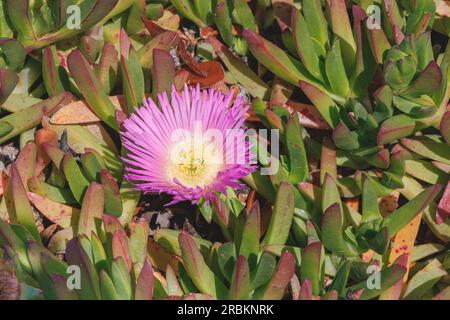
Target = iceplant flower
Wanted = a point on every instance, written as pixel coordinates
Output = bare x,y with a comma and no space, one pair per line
191,146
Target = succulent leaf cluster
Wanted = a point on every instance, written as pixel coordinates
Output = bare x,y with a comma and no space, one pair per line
354,95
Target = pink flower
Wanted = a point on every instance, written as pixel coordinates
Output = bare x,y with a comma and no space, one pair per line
191,146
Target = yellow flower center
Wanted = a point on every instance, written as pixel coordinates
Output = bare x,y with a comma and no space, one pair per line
194,163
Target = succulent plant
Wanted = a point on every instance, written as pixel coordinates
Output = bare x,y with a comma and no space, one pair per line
349,103
227,17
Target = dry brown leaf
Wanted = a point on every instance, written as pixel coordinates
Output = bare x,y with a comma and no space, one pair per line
389,203
78,112
169,21
213,73
160,257
443,8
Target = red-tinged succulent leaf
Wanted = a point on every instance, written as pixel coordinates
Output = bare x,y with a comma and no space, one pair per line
41,137
61,214
430,149
280,92
395,292
91,88
75,255
344,138
181,78
121,278
19,207
107,68
388,277
8,81
445,127
249,245
312,267
61,290
138,240
365,65
173,286
223,22
241,72
90,47
275,59
379,44
328,160
160,257
113,201
26,162
282,214
306,290
152,27
120,248
90,218
340,24
30,117
332,232
144,283
402,216
310,191
50,71
163,73
221,212
240,283
200,274
393,12
8,238
133,81
274,119
424,279
35,252
443,210
441,166
55,154
380,159
164,41
324,104
395,128
308,114
112,224
427,82
276,287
